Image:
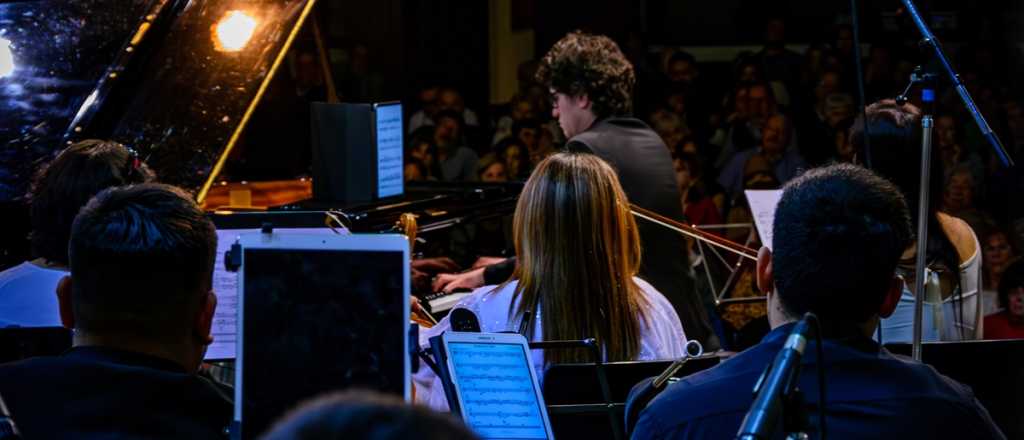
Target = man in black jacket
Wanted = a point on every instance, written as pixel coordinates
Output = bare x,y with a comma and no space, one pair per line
591,84
140,303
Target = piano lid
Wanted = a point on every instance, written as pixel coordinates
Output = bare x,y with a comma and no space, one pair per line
52,53
175,79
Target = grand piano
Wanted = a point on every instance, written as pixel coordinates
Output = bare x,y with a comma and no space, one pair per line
194,87
205,92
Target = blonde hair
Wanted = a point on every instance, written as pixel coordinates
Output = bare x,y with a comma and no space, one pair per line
578,251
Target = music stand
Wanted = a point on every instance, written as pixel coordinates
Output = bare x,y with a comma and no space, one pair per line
579,395
993,369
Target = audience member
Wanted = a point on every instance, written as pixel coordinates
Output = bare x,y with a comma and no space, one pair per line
28,291
1009,323
998,252
838,234
785,162
516,158
958,200
698,204
365,415
428,108
140,303
421,148
458,162
491,169
578,257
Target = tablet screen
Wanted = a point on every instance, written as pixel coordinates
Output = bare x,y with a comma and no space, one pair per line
497,392
316,321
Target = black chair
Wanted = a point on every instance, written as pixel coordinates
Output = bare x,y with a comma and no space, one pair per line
18,343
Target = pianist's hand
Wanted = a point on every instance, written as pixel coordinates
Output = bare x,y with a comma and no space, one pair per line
435,265
449,282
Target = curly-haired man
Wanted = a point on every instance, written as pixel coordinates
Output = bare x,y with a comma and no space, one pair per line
591,83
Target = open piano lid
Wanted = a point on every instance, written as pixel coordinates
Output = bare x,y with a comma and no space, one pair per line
174,79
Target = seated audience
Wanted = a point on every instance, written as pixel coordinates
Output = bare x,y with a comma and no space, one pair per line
579,254
839,232
368,416
140,303
1009,323
28,295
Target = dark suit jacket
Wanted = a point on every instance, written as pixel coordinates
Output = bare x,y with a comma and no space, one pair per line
97,393
647,176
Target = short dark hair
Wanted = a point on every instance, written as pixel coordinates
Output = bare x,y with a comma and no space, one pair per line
583,64
838,234
63,186
365,415
141,261
1013,277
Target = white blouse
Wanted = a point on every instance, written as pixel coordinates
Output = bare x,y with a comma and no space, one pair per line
661,333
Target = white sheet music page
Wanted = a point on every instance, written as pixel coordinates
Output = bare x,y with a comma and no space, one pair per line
762,207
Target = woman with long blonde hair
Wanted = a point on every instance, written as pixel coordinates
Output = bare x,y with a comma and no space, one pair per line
579,254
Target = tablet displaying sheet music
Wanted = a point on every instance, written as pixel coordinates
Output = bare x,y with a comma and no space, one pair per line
319,313
496,387
225,286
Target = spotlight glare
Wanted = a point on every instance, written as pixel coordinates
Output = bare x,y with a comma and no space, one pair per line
233,31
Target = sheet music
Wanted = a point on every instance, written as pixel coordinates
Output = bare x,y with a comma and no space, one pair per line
762,206
225,286
498,397
390,149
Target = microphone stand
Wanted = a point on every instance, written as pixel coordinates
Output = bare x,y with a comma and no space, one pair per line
928,40
927,124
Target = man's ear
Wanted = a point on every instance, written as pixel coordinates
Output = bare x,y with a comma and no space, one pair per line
892,297
65,303
204,319
583,102
764,277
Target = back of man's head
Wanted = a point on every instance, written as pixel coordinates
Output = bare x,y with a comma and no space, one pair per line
838,234
141,262
365,415
592,65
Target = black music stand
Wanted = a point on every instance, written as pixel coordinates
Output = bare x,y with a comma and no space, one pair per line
579,396
993,369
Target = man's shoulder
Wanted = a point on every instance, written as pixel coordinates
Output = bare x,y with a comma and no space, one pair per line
606,132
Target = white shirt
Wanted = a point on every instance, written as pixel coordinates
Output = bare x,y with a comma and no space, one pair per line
941,318
28,296
661,333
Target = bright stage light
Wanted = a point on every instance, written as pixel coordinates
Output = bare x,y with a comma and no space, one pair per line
233,31
6,58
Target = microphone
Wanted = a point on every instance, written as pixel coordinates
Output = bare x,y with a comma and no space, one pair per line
464,320
775,385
